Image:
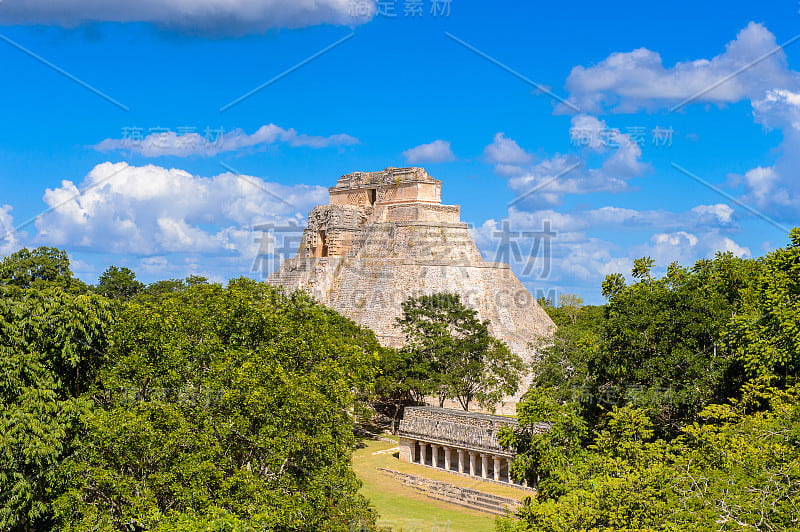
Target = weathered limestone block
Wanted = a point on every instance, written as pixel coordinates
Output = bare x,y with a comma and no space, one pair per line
406,450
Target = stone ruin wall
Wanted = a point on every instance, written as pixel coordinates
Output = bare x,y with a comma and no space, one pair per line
420,213
470,432
388,190
338,225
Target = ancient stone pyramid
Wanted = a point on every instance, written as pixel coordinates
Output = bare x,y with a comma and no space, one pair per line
385,237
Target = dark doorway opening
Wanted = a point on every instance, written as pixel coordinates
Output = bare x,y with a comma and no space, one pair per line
322,244
372,194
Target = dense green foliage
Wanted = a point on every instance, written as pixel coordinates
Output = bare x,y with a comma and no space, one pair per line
41,268
203,408
664,344
450,354
51,351
118,283
676,406
223,401
185,405
765,336
733,469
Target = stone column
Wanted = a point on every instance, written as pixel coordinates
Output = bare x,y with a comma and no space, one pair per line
472,467
484,466
508,466
423,447
434,455
406,449
461,460
447,458
496,464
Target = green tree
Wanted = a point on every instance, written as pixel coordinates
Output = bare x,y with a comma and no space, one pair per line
765,335
565,359
642,267
164,288
194,280
402,381
52,346
570,305
446,341
225,405
722,453
662,339
40,268
119,283
619,483
736,468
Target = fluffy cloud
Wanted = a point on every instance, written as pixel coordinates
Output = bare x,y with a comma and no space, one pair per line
622,219
154,265
504,150
437,151
638,80
578,260
777,188
208,17
508,158
552,177
686,247
753,68
210,144
9,239
150,210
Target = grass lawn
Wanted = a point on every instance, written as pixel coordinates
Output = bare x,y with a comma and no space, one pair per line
404,508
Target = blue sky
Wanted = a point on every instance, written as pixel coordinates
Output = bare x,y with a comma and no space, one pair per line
399,91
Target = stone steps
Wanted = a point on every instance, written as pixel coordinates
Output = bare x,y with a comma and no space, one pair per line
451,493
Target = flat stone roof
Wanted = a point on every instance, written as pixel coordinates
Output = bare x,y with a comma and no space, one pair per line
465,414
387,176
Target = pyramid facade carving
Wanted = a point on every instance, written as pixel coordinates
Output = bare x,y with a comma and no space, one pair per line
384,237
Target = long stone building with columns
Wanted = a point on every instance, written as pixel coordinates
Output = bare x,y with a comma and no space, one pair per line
457,441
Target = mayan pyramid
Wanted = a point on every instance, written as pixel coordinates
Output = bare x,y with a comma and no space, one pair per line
384,237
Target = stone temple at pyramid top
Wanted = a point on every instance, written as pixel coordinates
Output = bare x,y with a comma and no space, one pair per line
384,237
393,185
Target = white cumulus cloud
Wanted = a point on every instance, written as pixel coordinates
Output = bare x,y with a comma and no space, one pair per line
576,259
506,154
752,67
776,189
150,210
627,82
544,181
9,238
437,151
